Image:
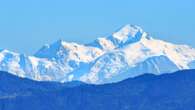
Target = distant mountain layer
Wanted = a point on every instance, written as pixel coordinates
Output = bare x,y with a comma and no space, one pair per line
147,92
128,52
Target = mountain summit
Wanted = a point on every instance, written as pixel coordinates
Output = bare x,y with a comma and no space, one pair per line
127,34
128,52
124,36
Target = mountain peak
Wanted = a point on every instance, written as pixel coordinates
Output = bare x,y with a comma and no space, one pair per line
130,30
50,50
126,35
59,43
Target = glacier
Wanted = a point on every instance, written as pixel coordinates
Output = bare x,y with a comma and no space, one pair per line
128,52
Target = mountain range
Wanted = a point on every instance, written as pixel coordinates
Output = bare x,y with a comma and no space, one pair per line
174,91
128,52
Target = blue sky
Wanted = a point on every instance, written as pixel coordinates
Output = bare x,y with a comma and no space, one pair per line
25,25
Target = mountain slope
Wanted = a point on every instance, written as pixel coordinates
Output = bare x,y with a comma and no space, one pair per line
128,50
176,92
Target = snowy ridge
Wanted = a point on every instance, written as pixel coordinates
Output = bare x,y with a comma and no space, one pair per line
128,52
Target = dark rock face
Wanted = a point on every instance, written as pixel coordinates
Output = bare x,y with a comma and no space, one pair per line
147,92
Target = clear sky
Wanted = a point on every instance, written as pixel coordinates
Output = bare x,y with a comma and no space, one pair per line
25,25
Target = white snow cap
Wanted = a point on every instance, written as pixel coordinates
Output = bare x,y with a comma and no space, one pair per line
127,31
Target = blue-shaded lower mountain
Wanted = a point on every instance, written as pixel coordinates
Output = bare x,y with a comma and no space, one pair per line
147,92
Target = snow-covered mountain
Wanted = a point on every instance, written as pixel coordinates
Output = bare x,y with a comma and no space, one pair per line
128,52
